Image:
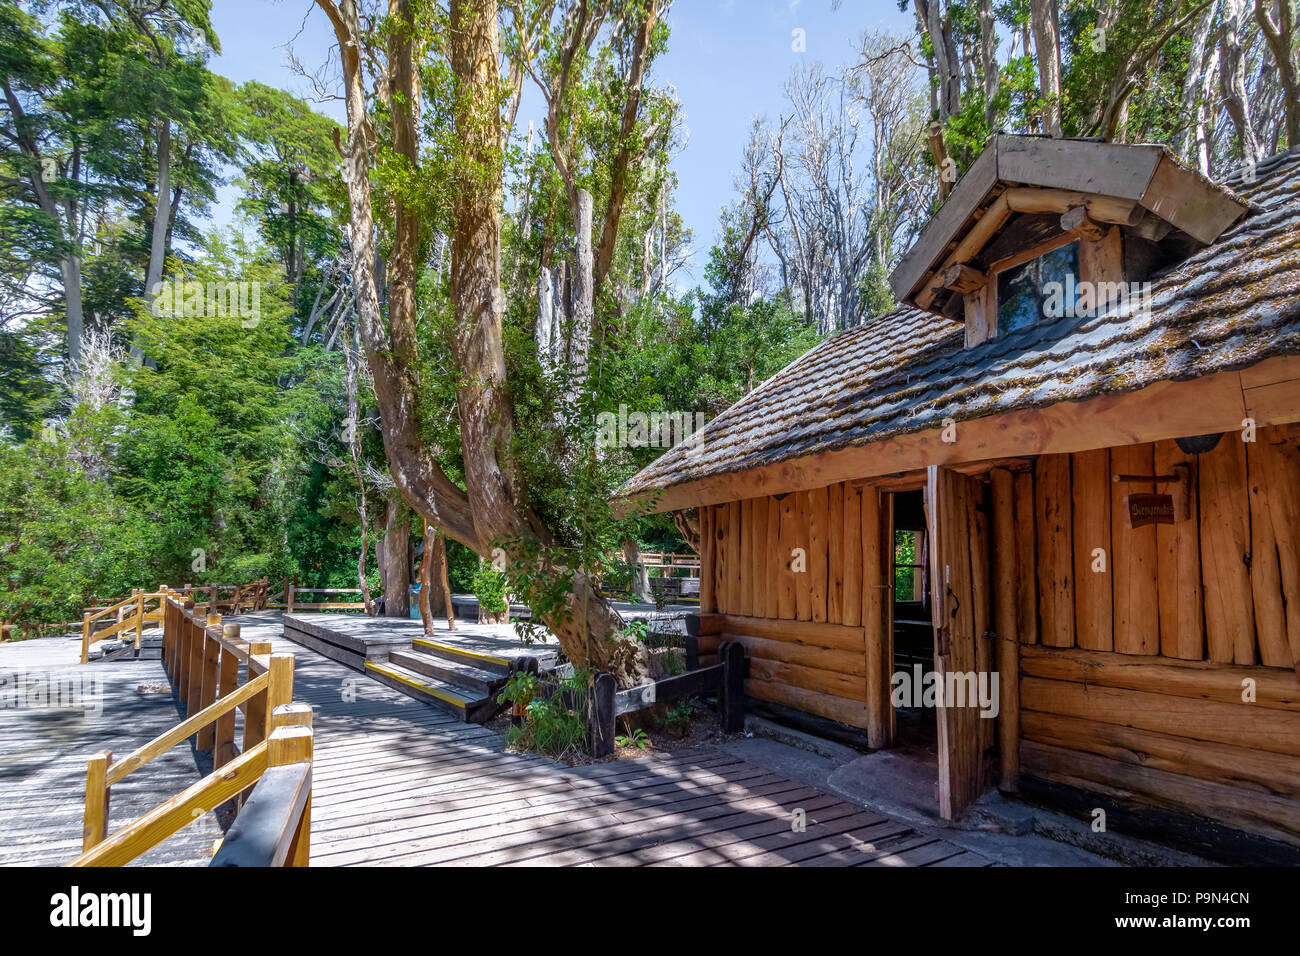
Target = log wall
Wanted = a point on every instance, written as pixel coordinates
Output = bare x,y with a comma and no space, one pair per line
1221,585
1131,674
797,578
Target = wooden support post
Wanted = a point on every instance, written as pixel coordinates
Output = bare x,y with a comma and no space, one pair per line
139,617
1006,576
600,716
223,745
292,743
182,650
85,636
209,685
731,692
280,689
289,590
255,711
95,824
213,606
194,670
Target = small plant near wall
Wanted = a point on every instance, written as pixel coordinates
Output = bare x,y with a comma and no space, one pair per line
678,721
550,726
637,738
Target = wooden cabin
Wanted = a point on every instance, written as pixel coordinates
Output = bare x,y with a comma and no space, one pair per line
1070,458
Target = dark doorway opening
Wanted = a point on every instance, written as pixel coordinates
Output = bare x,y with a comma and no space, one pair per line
913,628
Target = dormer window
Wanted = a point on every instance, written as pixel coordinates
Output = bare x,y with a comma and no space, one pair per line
1039,228
1025,290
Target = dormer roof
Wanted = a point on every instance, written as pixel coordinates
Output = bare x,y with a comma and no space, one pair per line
1033,179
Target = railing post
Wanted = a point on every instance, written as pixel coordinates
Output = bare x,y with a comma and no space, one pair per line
288,594
255,711
600,716
291,742
731,691
95,823
85,636
182,652
279,691
194,670
139,617
208,693
223,750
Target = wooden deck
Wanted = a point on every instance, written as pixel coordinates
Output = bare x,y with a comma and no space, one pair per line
43,754
399,782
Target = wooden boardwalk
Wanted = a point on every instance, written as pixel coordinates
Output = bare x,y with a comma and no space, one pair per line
398,782
43,752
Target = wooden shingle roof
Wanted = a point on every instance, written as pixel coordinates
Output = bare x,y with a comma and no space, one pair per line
1231,305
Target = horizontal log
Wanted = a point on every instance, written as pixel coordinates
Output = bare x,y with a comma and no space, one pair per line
812,633
809,678
703,681
1242,725
851,712
1027,199
1275,817
1274,688
701,624
1258,770
823,658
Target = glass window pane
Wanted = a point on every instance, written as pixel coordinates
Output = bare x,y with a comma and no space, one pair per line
1021,289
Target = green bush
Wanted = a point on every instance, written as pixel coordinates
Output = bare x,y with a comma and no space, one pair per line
490,588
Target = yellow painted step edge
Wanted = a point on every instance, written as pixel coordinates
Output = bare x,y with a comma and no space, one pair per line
425,688
425,642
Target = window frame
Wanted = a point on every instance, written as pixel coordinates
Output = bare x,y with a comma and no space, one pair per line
1019,259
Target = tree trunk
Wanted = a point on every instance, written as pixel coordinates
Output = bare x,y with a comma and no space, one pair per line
640,577
989,60
70,271
1047,45
491,512
1232,77
1193,84
395,558
161,219
428,607
1281,39
584,310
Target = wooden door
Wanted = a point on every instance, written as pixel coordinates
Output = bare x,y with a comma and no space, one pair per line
958,566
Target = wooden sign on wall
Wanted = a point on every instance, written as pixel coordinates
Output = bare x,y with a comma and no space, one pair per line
1143,510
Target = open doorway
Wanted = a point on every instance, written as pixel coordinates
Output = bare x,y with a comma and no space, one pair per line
912,623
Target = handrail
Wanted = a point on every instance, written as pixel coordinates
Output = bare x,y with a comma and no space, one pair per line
201,658
183,731
253,595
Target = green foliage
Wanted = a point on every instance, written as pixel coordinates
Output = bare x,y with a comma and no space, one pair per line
548,727
637,738
489,586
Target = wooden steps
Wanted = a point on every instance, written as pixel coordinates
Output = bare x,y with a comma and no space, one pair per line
461,681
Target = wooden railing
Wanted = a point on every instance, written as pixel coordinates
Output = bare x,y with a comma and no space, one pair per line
146,607
665,559
201,657
289,599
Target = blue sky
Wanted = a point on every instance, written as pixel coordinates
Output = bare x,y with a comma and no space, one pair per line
727,59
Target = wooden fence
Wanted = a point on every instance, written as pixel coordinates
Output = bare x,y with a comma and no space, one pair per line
132,614
202,659
287,599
